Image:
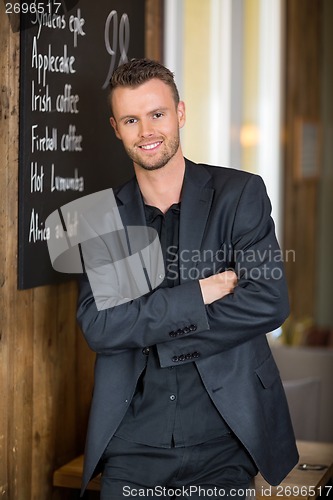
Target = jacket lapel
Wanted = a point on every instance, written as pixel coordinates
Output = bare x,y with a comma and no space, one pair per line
131,208
197,197
142,241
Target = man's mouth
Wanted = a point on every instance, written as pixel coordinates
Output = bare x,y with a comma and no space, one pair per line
148,147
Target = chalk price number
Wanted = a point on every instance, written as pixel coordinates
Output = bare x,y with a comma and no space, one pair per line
119,34
31,7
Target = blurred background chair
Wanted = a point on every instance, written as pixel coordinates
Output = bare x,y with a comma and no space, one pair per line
303,397
307,375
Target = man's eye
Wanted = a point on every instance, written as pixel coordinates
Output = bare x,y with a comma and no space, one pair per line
130,121
158,115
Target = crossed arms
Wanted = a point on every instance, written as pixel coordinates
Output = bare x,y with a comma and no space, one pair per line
225,309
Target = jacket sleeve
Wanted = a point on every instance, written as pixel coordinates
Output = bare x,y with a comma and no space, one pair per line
259,303
147,320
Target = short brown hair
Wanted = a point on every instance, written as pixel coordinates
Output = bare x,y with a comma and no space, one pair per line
138,71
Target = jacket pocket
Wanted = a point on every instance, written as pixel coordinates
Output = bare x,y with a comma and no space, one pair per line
268,372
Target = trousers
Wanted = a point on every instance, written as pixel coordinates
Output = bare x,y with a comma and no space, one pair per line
219,468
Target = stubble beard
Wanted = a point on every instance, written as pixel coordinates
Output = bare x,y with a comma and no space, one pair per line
160,162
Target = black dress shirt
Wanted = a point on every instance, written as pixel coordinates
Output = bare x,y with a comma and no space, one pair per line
170,406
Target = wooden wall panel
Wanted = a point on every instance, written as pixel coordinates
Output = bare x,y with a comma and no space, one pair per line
154,29
38,334
46,368
16,346
303,101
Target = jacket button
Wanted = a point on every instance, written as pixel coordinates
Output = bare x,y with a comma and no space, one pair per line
186,329
196,354
181,357
193,328
188,356
145,351
175,359
173,334
179,332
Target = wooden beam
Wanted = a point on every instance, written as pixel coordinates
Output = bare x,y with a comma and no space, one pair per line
154,30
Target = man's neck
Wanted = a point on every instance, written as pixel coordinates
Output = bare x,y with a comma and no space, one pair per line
162,188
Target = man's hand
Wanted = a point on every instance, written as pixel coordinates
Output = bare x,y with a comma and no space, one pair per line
217,286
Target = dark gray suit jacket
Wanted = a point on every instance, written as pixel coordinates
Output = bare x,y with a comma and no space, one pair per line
224,223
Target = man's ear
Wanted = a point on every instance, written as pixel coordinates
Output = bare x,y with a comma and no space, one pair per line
181,114
114,126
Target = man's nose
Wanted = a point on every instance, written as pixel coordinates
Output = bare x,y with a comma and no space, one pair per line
146,128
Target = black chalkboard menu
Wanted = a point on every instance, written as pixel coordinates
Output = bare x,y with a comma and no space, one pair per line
69,50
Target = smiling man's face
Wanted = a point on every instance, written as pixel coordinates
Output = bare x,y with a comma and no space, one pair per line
147,120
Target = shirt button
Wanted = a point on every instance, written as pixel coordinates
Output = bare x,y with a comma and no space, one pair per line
172,397
145,351
161,276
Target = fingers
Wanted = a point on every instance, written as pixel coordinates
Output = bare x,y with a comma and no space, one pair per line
227,277
218,286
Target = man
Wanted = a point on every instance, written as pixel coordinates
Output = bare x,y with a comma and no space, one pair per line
187,395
